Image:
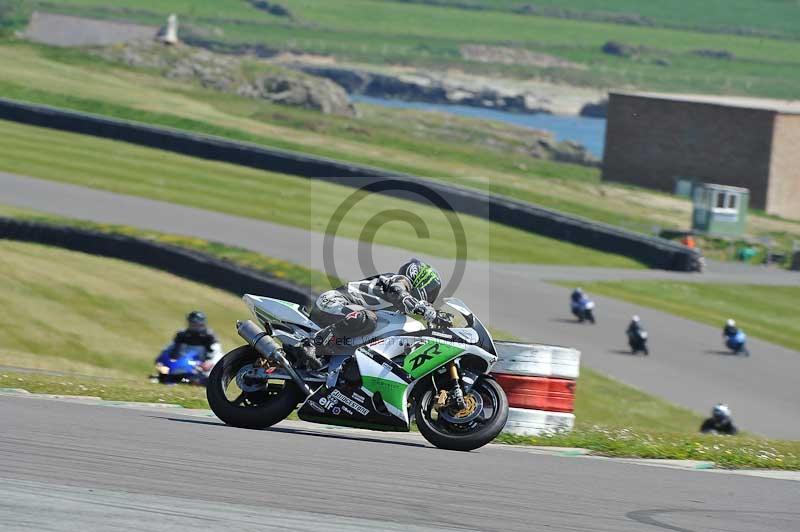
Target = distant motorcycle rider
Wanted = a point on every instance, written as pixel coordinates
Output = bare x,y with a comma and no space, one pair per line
635,326
720,421
196,333
577,295
637,336
349,311
730,329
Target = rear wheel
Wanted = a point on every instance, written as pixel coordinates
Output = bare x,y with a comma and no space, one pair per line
465,430
242,400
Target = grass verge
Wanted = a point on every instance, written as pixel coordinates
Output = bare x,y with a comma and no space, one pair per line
733,452
770,312
110,389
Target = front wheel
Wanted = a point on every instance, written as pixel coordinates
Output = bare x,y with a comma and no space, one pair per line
242,400
479,424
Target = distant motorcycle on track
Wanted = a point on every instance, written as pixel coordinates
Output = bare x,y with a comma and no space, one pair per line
637,336
737,343
583,309
638,342
185,364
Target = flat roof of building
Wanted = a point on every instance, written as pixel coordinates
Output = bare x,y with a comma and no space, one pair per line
764,104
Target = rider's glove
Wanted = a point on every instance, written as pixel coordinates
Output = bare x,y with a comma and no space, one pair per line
420,308
426,310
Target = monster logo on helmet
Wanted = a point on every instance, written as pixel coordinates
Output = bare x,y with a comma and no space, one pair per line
424,278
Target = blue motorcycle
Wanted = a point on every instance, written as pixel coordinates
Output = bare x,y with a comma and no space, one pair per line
736,343
583,309
187,364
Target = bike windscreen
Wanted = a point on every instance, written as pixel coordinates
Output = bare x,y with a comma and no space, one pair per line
470,320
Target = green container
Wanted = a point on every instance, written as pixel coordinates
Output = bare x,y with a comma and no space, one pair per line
719,210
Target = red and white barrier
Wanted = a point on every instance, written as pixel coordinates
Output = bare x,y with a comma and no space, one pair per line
540,382
535,422
537,360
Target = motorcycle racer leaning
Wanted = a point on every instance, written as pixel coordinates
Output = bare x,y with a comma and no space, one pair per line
196,332
348,311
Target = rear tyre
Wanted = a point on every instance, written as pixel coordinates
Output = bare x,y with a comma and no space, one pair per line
256,408
472,435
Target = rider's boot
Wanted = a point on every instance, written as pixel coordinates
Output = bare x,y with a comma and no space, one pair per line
309,355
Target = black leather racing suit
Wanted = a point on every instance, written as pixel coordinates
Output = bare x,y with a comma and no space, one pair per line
720,426
348,311
205,338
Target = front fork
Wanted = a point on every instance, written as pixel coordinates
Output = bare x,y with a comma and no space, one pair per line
455,393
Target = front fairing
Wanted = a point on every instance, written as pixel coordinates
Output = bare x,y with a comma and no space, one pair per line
185,362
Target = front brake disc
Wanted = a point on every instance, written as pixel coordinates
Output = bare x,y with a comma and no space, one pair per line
459,417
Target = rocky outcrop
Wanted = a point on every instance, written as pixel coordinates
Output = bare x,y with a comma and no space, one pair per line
598,109
245,76
620,49
426,88
505,55
272,8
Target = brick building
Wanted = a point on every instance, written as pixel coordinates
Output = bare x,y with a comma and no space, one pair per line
652,140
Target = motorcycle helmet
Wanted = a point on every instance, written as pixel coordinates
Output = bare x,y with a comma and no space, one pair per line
425,280
197,320
721,412
731,323
635,319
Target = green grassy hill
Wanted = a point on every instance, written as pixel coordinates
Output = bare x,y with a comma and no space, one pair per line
758,17
69,311
421,34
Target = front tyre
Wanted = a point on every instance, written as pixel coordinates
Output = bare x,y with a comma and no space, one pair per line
480,430
248,404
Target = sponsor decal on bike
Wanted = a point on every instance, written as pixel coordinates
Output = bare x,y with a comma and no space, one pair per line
336,410
358,397
349,402
428,357
316,407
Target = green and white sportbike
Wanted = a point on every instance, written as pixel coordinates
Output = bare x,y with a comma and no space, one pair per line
436,374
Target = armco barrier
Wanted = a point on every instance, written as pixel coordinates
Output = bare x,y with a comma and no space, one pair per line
189,264
652,251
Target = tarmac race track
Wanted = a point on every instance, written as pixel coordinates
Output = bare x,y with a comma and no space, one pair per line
688,364
71,466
